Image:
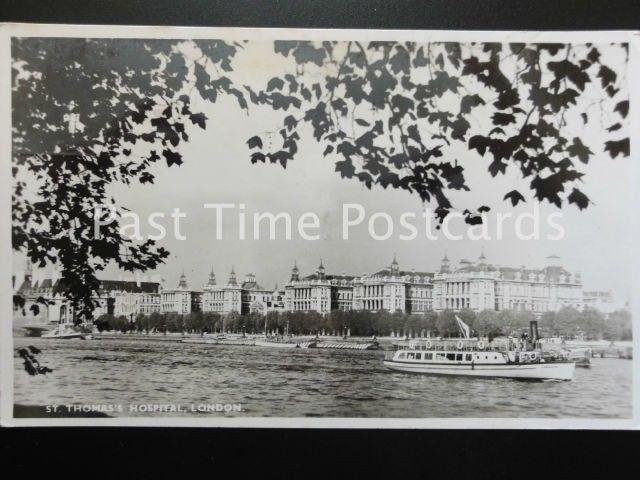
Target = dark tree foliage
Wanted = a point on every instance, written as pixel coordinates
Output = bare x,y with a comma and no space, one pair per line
30,361
91,113
389,113
567,322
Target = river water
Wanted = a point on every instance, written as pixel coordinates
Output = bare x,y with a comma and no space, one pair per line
295,383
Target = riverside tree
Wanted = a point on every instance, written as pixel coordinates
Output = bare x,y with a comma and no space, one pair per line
90,113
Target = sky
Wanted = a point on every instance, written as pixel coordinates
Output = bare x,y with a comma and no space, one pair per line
217,169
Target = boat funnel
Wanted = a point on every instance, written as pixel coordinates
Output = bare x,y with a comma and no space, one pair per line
533,331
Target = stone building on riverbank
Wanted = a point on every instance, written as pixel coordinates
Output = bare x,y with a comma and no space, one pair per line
389,289
115,297
477,285
483,286
246,297
394,290
182,299
319,292
469,285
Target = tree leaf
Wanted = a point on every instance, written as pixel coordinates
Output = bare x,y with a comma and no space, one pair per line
578,149
622,108
468,102
275,84
346,168
503,119
199,119
172,158
255,142
515,197
617,147
579,199
606,76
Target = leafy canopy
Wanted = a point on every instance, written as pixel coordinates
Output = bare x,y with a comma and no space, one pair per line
88,114
91,113
390,112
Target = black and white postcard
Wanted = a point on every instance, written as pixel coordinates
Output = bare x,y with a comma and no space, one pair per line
319,228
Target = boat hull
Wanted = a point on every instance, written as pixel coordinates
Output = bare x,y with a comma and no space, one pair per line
263,343
347,345
533,371
245,342
67,336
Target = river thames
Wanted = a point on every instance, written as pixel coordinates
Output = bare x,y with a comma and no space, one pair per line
299,383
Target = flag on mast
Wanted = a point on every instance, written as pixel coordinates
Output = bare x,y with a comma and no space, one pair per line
463,327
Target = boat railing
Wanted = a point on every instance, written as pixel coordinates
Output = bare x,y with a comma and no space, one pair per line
444,346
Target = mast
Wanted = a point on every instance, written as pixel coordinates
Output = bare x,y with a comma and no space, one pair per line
464,328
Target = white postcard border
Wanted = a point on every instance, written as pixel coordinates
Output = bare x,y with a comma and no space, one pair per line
108,31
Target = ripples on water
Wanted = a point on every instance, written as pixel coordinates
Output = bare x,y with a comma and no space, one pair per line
295,383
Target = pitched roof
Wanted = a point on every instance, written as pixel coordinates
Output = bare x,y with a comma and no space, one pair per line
476,268
386,272
551,274
129,286
252,286
315,276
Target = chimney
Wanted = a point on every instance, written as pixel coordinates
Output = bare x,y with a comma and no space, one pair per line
533,331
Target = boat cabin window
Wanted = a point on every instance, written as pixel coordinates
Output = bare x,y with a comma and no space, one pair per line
441,356
468,357
402,355
410,356
451,356
428,356
418,356
458,357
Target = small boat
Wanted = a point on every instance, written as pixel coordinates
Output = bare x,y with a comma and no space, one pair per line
348,345
221,340
626,352
472,357
582,356
64,332
36,330
556,346
266,342
246,342
284,342
199,340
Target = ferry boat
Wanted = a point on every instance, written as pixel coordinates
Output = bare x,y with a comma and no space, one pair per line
472,357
